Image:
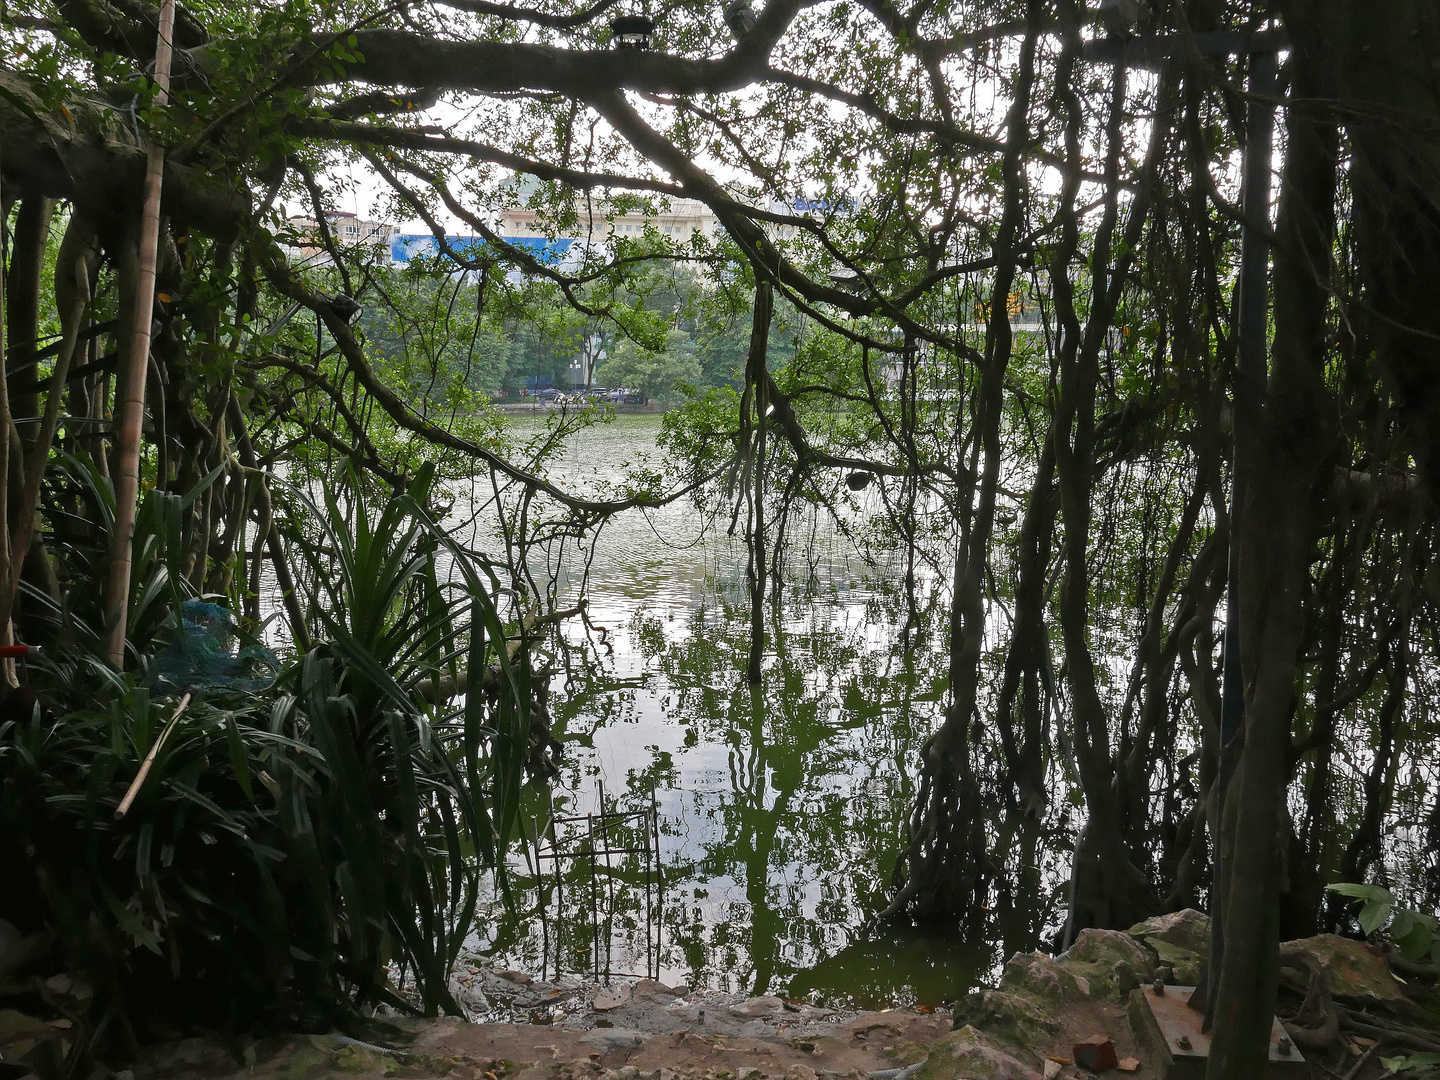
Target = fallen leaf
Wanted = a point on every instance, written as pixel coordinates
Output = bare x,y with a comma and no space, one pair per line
62,1023
1060,1060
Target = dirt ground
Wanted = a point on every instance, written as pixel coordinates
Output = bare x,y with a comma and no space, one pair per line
452,1048
521,1028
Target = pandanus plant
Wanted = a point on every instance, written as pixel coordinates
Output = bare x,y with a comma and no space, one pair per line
290,847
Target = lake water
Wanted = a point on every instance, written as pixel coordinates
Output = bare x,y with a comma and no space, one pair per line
780,809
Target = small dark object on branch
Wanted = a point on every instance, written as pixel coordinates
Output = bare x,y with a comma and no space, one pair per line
1120,17
740,17
346,308
858,481
632,31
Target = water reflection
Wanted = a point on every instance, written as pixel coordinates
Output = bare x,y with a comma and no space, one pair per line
780,806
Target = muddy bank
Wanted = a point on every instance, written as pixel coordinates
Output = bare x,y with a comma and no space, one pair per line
1343,1009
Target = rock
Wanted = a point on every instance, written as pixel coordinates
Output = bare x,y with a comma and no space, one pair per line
1096,1053
1353,969
1039,975
1180,939
611,997
189,1054
758,1007
1128,1064
355,1059
306,1058
613,1039
1113,962
1188,929
1014,1018
1184,965
467,992
1052,1068
970,1054
800,1072
649,989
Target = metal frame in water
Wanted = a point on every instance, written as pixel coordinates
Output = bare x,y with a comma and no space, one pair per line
591,844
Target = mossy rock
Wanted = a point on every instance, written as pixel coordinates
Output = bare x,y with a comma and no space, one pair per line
970,1054
1353,970
1015,1018
1041,976
1188,929
1184,964
1114,963
306,1059
357,1059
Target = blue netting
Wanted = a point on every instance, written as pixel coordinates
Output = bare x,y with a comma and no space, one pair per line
200,653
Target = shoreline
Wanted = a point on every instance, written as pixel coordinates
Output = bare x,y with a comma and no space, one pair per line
532,408
1046,1012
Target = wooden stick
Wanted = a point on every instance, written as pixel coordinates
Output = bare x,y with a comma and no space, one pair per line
130,382
124,807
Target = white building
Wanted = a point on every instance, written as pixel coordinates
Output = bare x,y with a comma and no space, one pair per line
346,229
675,219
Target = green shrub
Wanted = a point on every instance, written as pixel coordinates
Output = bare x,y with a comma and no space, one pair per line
289,847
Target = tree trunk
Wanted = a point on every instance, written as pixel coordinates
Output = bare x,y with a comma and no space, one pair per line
1275,531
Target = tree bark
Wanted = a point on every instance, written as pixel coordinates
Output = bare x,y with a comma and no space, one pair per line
1276,528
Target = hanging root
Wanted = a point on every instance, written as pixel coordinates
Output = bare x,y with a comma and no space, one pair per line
1317,1025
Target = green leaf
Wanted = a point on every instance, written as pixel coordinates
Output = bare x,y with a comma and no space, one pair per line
1375,914
1360,891
1411,1062
1379,903
239,760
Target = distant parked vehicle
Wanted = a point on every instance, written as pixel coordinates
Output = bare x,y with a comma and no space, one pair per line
634,398
549,394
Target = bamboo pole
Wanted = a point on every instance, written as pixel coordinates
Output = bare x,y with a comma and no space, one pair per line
139,781
4,408
130,385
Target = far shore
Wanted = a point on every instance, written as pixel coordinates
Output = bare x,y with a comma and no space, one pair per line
525,406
